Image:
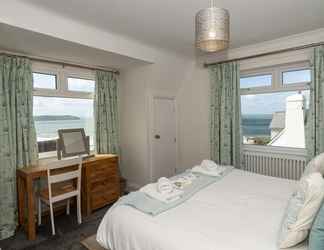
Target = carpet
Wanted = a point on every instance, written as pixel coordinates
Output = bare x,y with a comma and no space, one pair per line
91,243
68,236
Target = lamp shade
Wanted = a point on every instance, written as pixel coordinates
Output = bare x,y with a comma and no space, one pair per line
212,29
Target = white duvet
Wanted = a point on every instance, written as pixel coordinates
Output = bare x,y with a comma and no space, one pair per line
241,212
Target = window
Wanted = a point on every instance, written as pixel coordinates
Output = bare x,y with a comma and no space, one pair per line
44,81
296,76
82,85
62,102
54,113
256,81
274,114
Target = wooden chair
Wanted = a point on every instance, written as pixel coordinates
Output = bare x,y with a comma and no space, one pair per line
64,182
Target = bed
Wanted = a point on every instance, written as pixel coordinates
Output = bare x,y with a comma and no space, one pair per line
242,211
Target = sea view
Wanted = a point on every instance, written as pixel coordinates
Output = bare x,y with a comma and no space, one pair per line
256,125
252,125
47,128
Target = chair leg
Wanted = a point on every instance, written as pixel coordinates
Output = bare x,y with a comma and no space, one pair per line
79,209
52,218
39,211
68,207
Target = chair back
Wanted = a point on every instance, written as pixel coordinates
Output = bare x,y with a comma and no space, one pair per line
64,172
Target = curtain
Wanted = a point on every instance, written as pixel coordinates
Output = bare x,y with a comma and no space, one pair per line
315,115
106,113
18,145
225,138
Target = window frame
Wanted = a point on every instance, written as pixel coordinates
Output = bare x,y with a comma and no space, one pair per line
276,86
62,74
277,79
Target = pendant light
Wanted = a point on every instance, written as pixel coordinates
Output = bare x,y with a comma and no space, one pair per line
212,29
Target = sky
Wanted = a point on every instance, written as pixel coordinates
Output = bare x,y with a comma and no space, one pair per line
268,103
63,106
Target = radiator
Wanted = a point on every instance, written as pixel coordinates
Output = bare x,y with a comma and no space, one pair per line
283,165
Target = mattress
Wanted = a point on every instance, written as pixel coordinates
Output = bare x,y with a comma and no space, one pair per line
242,211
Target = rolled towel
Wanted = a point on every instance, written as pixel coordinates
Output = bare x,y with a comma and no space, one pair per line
215,172
164,186
208,165
151,191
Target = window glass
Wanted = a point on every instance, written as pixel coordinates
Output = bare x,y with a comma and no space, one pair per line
82,85
296,76
256,81
54,113
275,119
44,81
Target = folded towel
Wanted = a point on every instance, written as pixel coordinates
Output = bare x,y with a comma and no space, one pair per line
151,191
208,165
215,172
164,185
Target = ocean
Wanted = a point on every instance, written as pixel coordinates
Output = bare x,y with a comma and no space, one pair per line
256,125
47,130
252,125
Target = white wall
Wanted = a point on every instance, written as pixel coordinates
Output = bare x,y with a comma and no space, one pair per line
172,75
193,117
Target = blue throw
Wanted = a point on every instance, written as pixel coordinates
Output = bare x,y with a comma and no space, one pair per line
148,205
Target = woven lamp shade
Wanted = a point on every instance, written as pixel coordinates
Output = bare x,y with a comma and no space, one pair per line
212,29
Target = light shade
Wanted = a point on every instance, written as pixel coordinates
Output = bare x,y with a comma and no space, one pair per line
212,29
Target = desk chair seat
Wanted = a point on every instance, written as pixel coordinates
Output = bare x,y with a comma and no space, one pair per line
63,184
56,191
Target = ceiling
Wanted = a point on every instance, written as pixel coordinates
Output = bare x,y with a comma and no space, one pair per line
36,44
169,24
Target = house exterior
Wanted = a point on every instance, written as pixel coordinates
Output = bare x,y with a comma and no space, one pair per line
288,128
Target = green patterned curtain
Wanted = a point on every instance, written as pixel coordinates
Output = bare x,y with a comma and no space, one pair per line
225,138
315,116
106,113
18,146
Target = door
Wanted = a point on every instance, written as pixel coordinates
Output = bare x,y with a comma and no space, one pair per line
164,150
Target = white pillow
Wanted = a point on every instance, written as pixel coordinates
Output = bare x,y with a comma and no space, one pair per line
315,165
301,211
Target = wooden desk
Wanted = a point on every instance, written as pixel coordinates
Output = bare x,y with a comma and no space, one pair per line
103,166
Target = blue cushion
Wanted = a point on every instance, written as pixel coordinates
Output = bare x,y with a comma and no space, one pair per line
316,238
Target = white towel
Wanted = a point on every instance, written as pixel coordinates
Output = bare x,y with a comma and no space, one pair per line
215,172
208,165
151,190
164,186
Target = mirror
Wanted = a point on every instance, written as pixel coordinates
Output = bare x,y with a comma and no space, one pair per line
72,142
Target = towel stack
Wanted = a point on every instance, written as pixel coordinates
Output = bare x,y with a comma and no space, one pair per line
164,190
208,167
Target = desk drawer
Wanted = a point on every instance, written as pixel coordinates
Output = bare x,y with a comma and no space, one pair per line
104,164
102,172
101,199
107,182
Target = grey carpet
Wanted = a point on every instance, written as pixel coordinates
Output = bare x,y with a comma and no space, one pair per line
68,234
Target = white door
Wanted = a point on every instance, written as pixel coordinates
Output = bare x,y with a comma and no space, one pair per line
164,150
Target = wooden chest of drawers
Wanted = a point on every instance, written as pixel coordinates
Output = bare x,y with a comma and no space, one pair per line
100,182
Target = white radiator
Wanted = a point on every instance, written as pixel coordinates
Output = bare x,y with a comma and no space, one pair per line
274,161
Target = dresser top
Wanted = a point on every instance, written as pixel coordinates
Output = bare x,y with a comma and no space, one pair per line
42,166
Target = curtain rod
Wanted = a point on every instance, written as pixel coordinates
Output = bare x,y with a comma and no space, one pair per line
63,63
311,45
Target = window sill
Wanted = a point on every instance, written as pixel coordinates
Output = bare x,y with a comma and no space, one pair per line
50,156
275,150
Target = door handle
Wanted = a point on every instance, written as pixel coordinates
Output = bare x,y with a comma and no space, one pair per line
157,137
